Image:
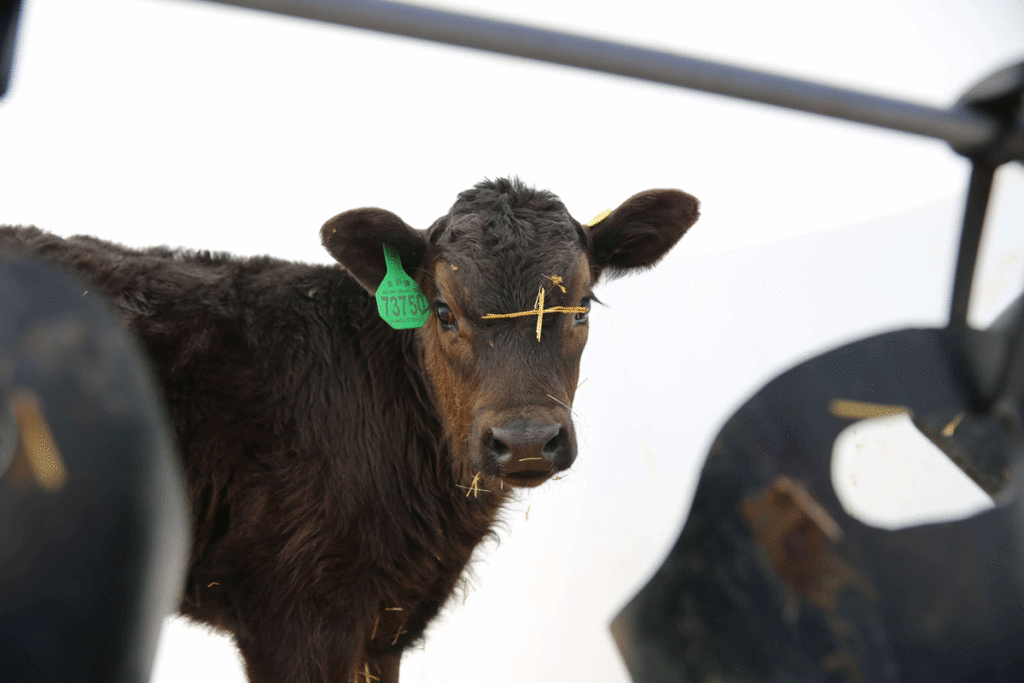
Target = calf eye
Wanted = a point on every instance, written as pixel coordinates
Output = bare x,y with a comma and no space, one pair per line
445,316
581,318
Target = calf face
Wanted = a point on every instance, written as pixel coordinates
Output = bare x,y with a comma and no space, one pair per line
504,386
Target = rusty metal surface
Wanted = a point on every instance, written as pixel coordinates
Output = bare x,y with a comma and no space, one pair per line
771,580
93,523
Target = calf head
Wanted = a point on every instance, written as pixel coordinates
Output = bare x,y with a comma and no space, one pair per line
503,394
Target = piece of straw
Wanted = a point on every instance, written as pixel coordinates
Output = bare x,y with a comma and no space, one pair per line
37,441
860,410
473,487
557,280
540,311
814,511
367,676
948,430
598,218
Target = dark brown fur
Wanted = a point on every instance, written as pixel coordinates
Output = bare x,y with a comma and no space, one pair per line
329,457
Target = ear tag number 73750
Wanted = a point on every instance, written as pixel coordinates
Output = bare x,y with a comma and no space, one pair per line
399,300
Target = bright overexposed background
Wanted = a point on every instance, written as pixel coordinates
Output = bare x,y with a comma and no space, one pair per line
183,123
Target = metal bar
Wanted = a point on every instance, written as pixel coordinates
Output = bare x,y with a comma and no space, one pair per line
978,193
10,10
967,131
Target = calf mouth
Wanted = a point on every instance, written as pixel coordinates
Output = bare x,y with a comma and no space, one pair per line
527,478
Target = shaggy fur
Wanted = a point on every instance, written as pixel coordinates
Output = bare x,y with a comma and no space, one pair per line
328,457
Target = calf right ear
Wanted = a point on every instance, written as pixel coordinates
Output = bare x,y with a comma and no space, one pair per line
356,238
642,230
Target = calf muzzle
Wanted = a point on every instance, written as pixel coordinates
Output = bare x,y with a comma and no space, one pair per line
525,452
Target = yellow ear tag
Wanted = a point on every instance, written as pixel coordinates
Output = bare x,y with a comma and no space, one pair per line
599,217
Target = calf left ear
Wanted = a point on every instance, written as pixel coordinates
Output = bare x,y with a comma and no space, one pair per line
641,231
356,238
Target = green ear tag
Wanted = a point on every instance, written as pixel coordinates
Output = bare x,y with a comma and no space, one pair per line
399,300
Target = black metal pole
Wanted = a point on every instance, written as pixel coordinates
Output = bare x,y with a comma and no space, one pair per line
978,193
9,12
967,131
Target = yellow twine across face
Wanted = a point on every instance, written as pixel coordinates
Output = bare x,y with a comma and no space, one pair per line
538,311
553,309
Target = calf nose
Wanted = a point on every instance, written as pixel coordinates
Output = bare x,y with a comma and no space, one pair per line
529,445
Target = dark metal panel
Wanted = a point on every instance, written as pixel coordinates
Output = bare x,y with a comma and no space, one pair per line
94,525
771,580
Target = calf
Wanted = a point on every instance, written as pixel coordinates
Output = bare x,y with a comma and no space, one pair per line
341,472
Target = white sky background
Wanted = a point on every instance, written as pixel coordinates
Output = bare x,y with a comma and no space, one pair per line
164,122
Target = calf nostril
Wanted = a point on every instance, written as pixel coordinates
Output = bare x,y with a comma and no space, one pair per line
554,445
498,448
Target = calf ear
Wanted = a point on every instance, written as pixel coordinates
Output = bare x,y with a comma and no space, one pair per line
356,238
641,231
